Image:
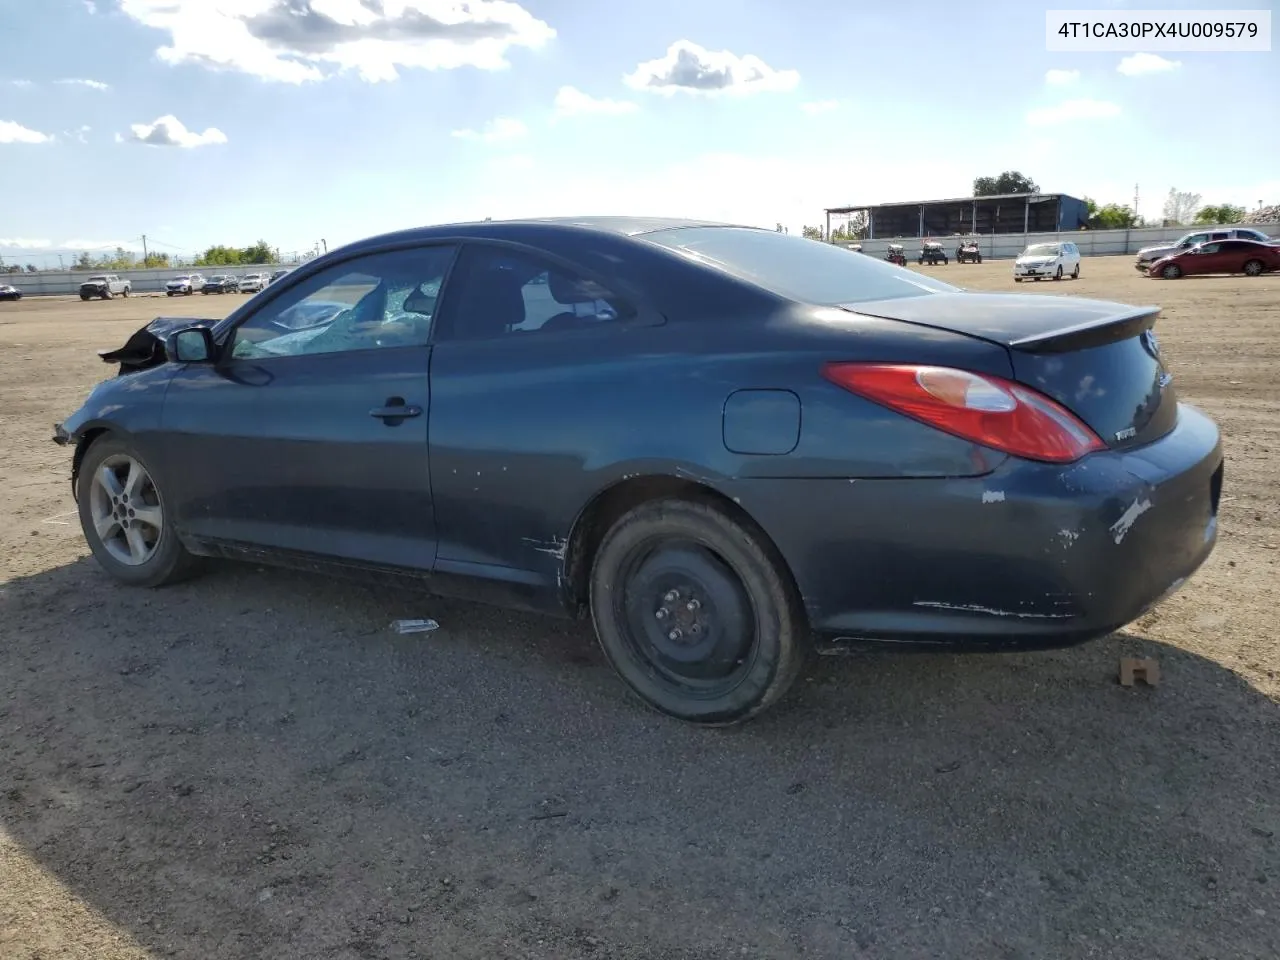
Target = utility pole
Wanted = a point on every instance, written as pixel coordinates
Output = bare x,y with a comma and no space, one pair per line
1136,218
325,243
144,249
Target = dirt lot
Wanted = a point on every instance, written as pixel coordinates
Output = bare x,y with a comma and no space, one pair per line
252,765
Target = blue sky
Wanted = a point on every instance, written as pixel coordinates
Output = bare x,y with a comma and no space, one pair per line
224,121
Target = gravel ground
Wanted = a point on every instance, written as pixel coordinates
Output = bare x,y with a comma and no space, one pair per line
252,765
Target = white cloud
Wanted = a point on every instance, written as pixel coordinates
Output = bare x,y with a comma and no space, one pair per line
1072,110
1137,64
91,84
570,102
1061,78
512,163
690,68
495,131
11,132
815,107
21,83
294,41
90,6
79,244
78,134
23,243
169,131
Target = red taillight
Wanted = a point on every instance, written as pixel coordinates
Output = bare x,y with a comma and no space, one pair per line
979,407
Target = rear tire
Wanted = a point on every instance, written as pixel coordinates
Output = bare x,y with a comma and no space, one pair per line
1253,268
136,551
695,614
84,297
168,293
1017,279
1171,271
125,292
1075,274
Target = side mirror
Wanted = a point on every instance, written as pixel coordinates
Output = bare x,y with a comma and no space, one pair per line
192,345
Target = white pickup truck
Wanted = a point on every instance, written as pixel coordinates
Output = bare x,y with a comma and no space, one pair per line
105,286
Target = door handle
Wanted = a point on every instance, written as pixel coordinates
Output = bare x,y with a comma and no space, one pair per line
397,411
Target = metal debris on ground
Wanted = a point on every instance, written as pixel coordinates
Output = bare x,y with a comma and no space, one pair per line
1139,668
414,626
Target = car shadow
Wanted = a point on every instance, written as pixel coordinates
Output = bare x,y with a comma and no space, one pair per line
252,764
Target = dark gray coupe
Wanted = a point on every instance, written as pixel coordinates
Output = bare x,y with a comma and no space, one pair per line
723,444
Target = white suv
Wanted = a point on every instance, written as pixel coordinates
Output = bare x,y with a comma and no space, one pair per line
1042,260
183,286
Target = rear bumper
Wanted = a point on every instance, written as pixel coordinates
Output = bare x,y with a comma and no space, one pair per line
1030,555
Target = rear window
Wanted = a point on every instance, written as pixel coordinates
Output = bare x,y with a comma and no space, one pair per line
809,271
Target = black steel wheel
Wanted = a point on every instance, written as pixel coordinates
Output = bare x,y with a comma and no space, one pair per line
695,612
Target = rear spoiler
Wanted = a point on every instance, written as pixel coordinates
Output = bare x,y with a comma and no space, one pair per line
1091,333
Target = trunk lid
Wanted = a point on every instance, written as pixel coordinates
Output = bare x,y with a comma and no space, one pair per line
1100,360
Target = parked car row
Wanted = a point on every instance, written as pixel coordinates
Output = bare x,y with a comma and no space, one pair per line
187,284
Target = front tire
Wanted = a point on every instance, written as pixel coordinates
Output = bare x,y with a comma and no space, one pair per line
84,297
125,520
168,293
1075,274
1171,271
1058,274
1253,268
125,293
695,614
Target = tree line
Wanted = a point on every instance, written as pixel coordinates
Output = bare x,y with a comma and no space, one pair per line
122,259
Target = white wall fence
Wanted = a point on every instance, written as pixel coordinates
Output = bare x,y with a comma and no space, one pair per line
1000,246
1092,243
65,282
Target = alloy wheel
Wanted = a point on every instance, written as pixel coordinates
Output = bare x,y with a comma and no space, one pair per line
125,507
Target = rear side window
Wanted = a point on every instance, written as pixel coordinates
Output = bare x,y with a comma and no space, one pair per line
809,271
496,292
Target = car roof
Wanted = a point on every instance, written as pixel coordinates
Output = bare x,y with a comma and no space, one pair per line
535,227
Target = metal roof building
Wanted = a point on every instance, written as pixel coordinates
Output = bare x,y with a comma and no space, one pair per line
1003,213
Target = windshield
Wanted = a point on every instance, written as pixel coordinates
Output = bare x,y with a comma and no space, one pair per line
180,279
809,271
96,280
1042,250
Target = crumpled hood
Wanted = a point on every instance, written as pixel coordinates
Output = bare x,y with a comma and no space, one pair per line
145,347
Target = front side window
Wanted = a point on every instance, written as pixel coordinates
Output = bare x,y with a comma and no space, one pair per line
372,302
808,271
1210,247
496,292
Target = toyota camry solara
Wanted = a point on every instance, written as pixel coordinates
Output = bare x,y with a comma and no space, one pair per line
727,446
